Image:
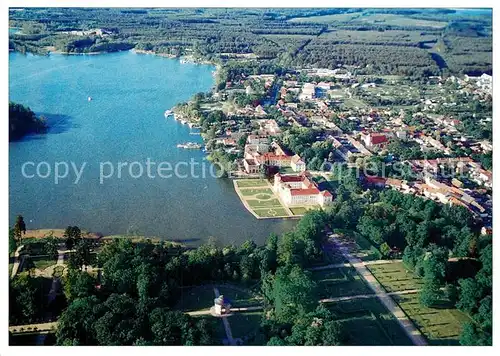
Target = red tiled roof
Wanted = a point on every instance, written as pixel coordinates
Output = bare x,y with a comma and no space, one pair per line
375,180
309,191
377,138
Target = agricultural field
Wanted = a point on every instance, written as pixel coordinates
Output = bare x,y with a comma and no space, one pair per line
326,18
409,38
373,19
400,20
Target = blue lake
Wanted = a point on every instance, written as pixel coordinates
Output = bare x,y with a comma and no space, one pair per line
124,123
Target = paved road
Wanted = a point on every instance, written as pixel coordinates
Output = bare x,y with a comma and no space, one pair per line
347,264
410,329
227,327
243,309
17,261
366,296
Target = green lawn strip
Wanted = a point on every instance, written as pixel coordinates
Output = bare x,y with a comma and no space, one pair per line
368,322
340,282
263,196
254,191
238,297
43,263
270,212
395,277
245,324
243,183
216,326
299,210
441,325
195,298
274,203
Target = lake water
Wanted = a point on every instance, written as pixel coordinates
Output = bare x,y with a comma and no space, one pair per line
123,122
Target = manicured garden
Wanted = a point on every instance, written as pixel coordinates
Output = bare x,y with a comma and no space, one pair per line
43,263
395,277
244,183
441,324
368,322
256,191
260,201
271,212
340,282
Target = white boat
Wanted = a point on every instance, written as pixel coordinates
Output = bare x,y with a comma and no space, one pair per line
168,113
89,98
189,145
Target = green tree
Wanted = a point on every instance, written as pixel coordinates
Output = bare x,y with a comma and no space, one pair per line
293,293
19,228
72,234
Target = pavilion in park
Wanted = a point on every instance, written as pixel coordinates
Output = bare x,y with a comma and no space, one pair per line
222,305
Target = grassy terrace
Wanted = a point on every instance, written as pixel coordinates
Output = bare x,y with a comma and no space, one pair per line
365,321
395,277
368,322
340,282
441,324
43,263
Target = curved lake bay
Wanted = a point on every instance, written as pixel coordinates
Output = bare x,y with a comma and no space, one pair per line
123,122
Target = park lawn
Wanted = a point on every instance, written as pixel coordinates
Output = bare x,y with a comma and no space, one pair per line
238,297
299,210
352,103
273,203
270,212
245,183
43,263
244,324
196,298
286,170
251,191
362,248
339,282
216,325
368,322
441,325
395,277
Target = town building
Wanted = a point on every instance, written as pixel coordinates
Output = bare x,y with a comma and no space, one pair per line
299,190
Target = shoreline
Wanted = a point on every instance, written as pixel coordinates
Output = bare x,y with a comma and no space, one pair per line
58,234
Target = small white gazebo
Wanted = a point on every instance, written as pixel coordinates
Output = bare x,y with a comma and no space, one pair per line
222,305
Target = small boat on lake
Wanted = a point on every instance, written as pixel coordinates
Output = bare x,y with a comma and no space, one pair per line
89,98
189,145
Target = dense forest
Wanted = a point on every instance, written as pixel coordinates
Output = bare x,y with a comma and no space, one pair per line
383,41
23,121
